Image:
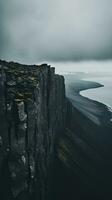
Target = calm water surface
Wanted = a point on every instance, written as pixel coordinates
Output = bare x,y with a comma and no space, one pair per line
102,94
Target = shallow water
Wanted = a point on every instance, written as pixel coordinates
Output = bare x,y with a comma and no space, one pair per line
101,94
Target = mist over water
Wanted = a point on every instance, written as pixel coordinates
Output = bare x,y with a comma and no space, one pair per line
83,66
94,71
102,94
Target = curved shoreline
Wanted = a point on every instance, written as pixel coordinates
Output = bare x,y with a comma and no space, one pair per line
109,108
96,111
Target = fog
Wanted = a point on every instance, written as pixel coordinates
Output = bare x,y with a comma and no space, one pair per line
35,31
83,66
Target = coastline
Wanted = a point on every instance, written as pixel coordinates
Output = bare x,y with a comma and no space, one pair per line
84,151
96,111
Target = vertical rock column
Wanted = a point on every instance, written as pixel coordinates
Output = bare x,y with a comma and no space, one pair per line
32,114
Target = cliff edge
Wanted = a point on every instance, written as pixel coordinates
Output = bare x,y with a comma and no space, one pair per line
32,114
49,150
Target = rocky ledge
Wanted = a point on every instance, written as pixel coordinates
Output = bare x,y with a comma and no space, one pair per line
49,150
32,114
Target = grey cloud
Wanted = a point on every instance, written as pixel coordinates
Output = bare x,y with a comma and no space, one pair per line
55,30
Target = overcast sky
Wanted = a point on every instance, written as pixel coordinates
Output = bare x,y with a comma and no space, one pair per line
34,31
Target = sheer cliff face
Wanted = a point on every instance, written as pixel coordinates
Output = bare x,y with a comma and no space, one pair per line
32,114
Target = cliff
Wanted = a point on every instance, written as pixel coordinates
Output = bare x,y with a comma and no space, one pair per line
49,150
32,116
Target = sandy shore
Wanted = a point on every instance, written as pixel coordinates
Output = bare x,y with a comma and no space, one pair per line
95,111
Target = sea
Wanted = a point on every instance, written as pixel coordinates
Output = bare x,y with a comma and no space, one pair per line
101,94
102,73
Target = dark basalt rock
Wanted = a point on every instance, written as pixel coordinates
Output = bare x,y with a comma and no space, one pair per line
32,114
49,150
